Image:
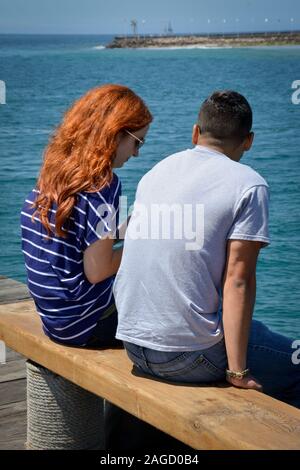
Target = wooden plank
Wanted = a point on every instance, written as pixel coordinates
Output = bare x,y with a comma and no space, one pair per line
203,417
12,291
12,355
12,392
13,421
13,426
13,370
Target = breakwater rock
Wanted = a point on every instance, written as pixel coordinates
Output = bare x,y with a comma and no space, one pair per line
234,40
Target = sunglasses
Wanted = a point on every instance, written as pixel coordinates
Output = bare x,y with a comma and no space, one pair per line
139,142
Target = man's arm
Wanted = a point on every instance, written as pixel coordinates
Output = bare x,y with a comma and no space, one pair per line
239,291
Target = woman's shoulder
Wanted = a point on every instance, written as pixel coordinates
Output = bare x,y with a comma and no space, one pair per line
107,194
30,200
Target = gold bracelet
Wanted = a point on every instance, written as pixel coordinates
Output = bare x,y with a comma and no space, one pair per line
237,375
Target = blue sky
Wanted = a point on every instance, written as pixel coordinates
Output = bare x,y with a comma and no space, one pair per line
113,16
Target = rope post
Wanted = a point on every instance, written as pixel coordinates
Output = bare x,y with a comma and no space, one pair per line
60,414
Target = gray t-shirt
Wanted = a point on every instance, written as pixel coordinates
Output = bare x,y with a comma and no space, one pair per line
168,287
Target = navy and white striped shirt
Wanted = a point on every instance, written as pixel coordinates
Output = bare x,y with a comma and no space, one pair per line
68,304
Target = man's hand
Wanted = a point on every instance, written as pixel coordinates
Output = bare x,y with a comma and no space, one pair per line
246,382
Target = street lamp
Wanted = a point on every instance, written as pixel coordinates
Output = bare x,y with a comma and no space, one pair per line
208,21
266,21
292,22
143,23
224,22
253,26
237,28
125,27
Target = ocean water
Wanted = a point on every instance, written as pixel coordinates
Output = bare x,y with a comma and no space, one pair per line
44,74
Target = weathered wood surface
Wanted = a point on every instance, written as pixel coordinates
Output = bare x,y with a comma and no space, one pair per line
12,291
13,402
201,417
13,426
12,379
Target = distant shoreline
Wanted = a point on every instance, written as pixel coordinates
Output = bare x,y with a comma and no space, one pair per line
232,40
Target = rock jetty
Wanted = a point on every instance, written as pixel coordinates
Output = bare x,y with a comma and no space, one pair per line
234,40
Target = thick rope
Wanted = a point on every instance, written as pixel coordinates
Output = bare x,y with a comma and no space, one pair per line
61,415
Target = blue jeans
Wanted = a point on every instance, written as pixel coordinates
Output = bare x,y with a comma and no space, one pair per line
269,358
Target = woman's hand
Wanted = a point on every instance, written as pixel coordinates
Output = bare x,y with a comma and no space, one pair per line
246,382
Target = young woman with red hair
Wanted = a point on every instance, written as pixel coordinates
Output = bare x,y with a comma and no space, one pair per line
69,220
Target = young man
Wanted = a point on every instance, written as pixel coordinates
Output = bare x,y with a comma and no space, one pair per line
185,308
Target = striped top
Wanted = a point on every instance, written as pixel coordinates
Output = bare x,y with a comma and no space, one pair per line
68,304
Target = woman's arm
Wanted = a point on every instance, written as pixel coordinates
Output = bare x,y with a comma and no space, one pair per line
100,261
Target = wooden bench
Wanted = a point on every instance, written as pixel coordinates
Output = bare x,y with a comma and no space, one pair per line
204,417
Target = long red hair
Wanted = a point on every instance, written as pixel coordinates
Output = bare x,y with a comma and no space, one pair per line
79,155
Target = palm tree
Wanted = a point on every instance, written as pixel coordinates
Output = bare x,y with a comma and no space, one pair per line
133,24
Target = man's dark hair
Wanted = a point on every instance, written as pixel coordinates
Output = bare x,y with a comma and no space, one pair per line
225,115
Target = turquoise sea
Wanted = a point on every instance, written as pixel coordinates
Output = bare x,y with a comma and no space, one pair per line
44,74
